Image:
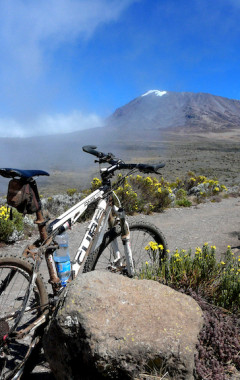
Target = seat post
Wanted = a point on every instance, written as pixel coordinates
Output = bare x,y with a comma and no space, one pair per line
40,221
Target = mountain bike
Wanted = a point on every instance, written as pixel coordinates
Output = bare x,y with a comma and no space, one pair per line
109,243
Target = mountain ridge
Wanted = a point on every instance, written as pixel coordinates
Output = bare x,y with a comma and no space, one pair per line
178,110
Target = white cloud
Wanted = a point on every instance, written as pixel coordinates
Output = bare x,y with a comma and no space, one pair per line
30,33
49,124
30,28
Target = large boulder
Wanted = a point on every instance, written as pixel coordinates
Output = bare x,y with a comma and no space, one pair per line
112,327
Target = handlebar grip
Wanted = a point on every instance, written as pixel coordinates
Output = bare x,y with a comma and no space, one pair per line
150,168
159,166
91,149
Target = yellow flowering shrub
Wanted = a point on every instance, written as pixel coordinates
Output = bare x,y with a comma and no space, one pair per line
210,186
199,271
138,193
151,194
128,198
71,192
95,184
227,285
10,230
141,194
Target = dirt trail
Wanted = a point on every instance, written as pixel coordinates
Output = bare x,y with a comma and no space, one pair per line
215,223
184,228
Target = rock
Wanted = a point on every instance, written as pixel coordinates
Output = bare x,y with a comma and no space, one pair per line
58,204
113,327
201,188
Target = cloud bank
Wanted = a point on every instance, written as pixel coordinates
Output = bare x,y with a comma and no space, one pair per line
29,29
49,124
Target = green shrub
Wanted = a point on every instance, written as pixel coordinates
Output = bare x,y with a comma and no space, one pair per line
181,194
10,230
71,192
184,202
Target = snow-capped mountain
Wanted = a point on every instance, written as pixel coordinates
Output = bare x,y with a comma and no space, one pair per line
140,120
164,109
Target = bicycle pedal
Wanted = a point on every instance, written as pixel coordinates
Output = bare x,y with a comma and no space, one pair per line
117,269
112,268
124,271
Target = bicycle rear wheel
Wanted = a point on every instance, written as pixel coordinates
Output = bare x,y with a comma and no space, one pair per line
15,276
141,234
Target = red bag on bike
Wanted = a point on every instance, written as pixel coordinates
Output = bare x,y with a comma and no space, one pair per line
21,195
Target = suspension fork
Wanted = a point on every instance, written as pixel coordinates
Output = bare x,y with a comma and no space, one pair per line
125,236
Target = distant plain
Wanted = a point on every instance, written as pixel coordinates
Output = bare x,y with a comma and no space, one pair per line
215,155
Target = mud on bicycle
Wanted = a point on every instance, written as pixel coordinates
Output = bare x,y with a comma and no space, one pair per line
109,243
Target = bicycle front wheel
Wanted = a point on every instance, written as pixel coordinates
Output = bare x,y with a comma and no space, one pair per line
141,235
15,276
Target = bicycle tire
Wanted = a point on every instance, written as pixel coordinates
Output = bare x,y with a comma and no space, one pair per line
15,275
141,233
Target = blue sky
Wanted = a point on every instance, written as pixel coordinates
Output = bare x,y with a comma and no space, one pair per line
67,64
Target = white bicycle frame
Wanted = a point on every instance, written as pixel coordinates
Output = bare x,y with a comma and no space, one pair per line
92,239
96,229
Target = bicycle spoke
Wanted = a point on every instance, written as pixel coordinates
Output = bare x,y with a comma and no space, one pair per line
141,234
6,281
18,310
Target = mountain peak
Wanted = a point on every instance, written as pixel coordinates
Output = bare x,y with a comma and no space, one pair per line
155,92
197,111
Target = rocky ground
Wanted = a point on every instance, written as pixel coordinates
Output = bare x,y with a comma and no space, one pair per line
212,155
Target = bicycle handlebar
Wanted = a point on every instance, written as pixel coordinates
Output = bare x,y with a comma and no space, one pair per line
109,157
146,168
91,149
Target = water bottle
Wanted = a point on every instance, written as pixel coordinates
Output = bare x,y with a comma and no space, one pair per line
62,258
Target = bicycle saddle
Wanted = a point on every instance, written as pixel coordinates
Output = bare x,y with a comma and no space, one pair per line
11,173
